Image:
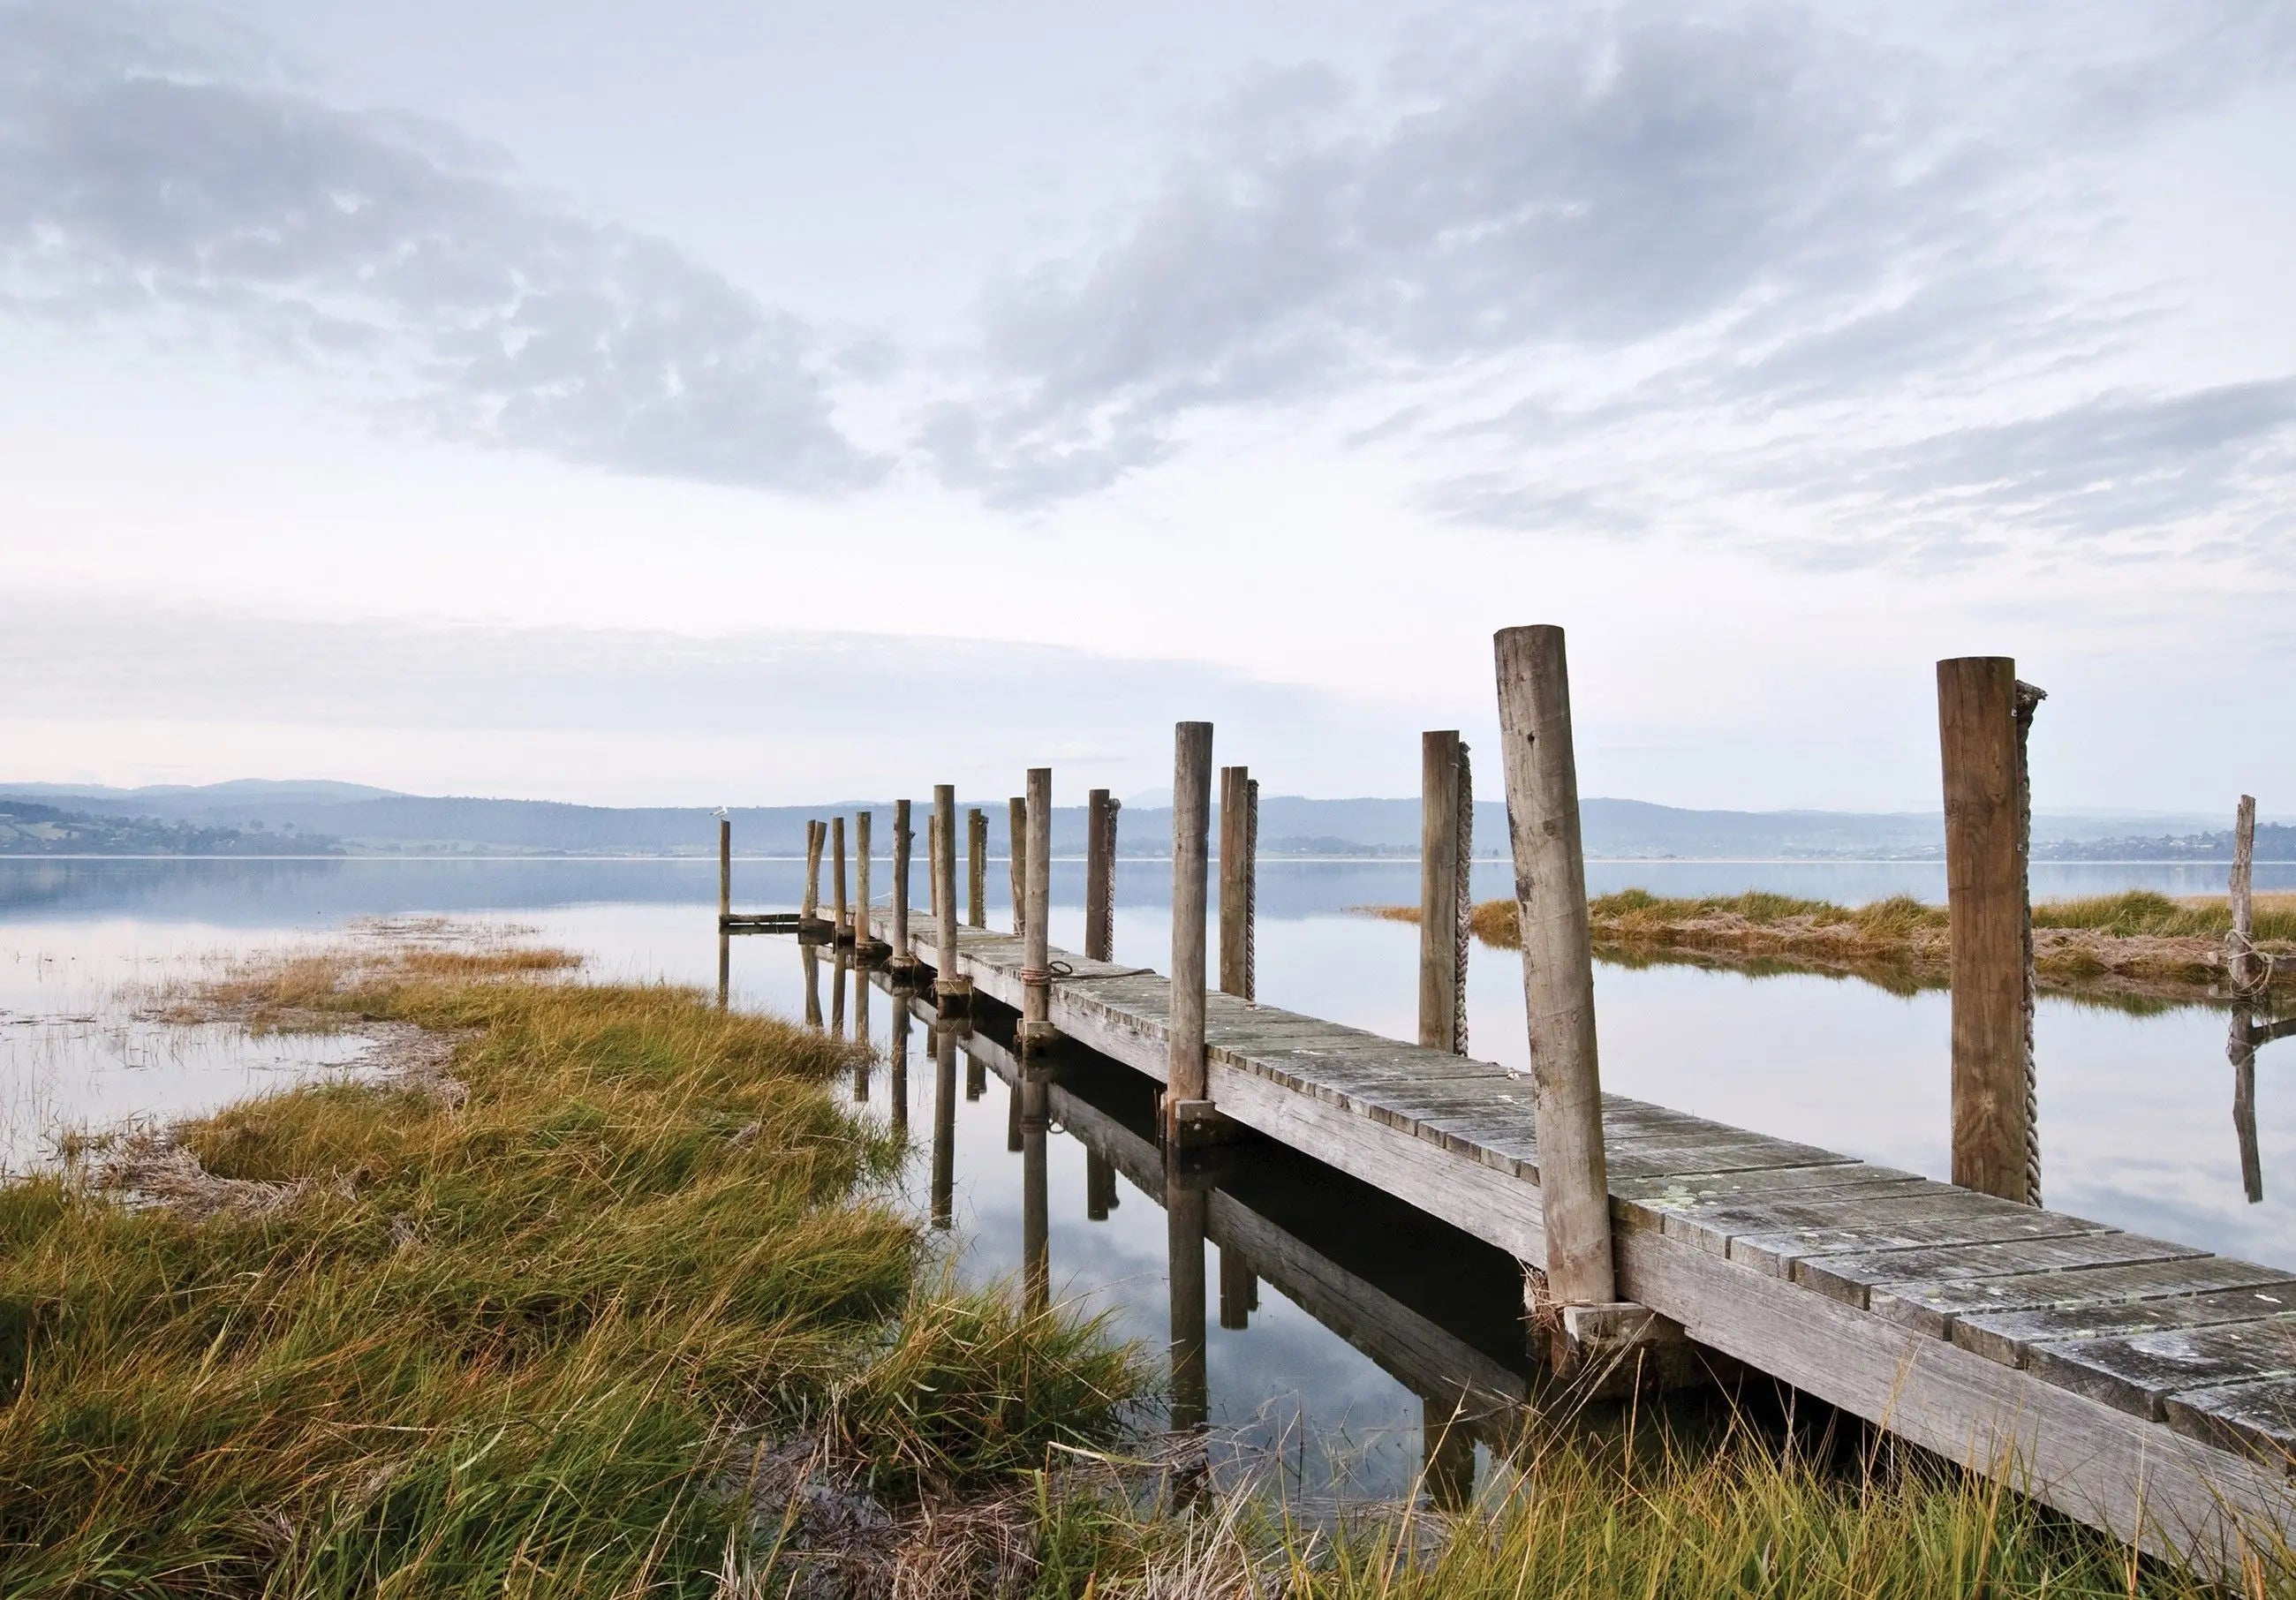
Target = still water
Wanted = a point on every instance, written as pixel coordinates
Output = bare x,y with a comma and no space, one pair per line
1323,1299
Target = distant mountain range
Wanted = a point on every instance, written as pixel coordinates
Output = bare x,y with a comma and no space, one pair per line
261,817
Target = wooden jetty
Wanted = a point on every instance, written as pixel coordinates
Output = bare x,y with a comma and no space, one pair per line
2144,1386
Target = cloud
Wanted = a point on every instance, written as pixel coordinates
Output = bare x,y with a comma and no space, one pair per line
160,174
1619,268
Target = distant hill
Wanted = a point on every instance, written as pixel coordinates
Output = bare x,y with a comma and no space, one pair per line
28,828
367,821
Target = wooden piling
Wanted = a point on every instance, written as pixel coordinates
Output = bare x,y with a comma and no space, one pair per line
1100,876
1988,907
725,869
1035,950
862,1057
976,868
904,959
1441,902
1558,966
897,1061
840,910
812,910
2242,967
947,985
1238,808
865,933
1017,813
1185,1082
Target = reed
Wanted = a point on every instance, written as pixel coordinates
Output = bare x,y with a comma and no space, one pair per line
523,1326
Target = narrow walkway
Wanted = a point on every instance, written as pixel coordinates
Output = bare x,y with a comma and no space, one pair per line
2144,1386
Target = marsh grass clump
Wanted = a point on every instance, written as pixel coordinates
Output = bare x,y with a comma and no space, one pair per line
527,1337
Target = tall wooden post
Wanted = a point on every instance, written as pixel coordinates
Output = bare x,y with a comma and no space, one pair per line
1989,905
1017,813
932,870
947,984
865,931
1558,963
725,869
2241,964
1239,830
811,913
1442,893
840,921
1035,943
904,959
1185,1076
1100,876
976,868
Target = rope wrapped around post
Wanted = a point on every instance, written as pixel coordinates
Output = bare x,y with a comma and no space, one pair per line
2029,701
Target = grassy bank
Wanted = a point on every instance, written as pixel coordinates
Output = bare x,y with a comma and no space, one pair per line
538,1321
596,1294
2140,943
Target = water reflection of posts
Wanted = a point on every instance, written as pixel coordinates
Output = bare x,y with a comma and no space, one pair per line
1013,1120
896,1063
811,956
1447,1451
1183,1211
1034,1098
2248,1036
861,986
839,963
1239,1289
943,1148
976,1078
1099,1185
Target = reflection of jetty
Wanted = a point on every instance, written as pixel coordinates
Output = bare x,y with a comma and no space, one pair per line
2144,1386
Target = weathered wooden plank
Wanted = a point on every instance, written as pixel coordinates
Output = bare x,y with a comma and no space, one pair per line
2255,1419
1672,1191
2138,1372
1932,1305
1852,1278
1768,1231
2006,1335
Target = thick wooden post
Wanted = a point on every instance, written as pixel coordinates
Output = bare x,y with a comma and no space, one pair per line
1239,819
948,985
840,920
1986,892
904,959
725,869
1035,943
1185,1078
976,868
1440,898
1558,963
811,913
1035,1199
1017,813
865,931
1100,876
2241,964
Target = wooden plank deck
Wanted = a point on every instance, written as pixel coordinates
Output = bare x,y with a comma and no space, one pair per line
2144,1386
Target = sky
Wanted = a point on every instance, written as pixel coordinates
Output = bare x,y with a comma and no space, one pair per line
718,402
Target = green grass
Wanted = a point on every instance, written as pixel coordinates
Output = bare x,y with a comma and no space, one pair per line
522,1344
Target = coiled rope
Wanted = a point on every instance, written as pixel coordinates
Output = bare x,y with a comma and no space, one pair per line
2029,701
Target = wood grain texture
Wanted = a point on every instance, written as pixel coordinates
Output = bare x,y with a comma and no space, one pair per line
897,913
976,868
1558,961
1439,888
1986,895
1099,874
1234,881
1038,877
1192,778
